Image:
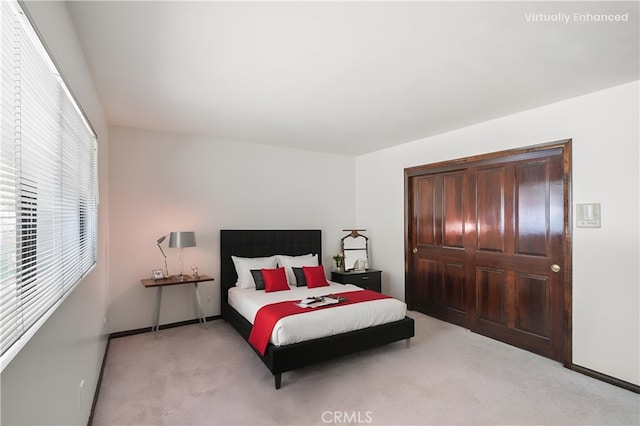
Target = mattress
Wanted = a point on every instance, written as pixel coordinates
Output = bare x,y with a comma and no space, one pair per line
316,323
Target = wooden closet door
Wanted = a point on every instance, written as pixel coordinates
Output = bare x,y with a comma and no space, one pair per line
485,247
438,241
519,227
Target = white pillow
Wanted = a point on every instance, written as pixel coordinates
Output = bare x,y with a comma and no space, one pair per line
244,265
298,261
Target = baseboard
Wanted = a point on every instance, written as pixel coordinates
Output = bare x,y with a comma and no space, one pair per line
99,384
162,327
603,377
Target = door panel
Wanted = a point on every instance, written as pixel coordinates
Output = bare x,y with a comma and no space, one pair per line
491,209
491,295
427,202
454,277
532,305
482,243
427,292
532,214
453,218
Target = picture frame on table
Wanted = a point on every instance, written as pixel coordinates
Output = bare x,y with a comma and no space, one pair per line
157,274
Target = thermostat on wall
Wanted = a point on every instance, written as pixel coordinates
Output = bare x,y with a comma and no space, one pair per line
588,215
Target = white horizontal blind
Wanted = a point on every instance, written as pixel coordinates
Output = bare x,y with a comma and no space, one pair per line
48,183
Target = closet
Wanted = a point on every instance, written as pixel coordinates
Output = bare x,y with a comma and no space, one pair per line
487,245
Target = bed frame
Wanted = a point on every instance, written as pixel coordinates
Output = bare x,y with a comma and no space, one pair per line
279,359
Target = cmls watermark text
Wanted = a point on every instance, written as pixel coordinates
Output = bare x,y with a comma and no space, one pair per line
347,417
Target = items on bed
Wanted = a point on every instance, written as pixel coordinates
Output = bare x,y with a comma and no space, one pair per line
315,302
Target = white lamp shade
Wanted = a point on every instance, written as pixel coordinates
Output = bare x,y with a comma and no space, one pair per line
182,239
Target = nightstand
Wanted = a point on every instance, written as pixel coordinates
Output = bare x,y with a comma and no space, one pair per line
370,279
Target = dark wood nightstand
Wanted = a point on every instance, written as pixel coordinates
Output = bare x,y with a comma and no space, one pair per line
370,279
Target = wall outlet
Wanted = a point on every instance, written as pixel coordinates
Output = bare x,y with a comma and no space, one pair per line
588,215
80,394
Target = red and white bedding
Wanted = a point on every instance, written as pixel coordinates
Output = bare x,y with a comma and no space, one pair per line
316,323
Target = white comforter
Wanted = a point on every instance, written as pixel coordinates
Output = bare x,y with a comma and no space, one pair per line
316,323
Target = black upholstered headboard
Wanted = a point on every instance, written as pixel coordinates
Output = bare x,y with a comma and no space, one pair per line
260,243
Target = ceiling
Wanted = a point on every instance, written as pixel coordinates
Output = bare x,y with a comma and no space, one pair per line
345,77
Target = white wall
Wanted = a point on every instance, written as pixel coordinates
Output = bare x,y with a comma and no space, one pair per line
41,384
163,182
604,129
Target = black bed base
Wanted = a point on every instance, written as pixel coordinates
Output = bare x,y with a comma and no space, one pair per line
280,359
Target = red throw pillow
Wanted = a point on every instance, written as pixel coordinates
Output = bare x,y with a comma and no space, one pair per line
274,280
315,276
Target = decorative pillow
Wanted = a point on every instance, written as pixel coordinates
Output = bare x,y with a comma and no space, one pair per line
274,280
258,278
301,281
315,276
244,265
290,261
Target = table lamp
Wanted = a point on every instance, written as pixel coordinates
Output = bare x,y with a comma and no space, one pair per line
181,240
166,268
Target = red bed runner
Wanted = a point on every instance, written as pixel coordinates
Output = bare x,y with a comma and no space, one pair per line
269,315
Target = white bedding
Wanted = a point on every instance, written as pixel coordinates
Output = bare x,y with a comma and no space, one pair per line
316,323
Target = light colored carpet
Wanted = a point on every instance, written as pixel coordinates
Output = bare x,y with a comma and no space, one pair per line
449,375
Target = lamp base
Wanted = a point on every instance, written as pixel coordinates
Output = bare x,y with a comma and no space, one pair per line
179,277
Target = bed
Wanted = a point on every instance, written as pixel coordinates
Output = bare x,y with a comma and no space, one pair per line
280,359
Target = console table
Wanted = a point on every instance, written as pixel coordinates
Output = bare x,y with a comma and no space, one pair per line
175,280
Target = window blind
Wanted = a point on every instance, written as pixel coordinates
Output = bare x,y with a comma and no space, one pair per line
48,185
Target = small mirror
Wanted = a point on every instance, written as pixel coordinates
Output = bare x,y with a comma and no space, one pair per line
355,248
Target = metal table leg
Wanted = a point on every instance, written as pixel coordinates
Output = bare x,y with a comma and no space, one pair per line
156,321
201,316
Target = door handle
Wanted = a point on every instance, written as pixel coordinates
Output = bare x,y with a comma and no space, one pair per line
415,249
555,268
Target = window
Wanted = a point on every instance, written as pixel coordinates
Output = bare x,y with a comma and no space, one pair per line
48,185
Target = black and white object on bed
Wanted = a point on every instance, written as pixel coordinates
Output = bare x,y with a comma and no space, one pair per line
293,244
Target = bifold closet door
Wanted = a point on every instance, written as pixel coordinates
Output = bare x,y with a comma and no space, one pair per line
438,242
485,248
